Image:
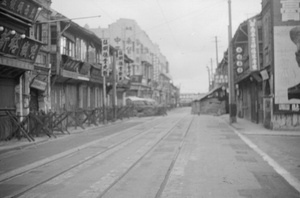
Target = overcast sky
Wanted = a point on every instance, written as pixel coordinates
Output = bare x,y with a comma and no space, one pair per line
185,30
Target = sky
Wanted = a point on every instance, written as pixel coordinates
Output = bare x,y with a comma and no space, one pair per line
185,30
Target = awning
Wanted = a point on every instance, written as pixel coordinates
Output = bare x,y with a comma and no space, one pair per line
255,74
12,68
210,93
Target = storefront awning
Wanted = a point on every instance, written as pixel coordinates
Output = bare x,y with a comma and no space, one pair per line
12,68
210,92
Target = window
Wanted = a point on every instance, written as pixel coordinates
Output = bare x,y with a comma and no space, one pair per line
83,50
66,47
92,55
53,35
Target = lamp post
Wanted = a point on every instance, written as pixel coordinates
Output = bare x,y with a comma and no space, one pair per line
232,102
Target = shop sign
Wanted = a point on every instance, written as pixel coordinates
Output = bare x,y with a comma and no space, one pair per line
288,107
120,65
69,74
27,9
84,69
16,63
96,75
264,74
38,84
18,45
286,12
85,78
105,57
253,45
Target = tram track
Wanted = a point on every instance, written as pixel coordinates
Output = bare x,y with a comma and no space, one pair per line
140,131
170,168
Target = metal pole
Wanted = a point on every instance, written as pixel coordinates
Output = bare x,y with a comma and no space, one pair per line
104,100
212,73
217,58
232,103
208,78
114,101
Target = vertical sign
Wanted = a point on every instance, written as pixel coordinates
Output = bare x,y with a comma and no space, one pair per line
105,57
120,65
253,45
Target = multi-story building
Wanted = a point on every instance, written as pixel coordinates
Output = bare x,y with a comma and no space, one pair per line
266,66
149,71
281,66
23,60
76,69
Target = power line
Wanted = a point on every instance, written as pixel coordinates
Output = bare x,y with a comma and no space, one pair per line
157,1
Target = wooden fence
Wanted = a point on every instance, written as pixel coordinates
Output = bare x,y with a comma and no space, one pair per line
36,124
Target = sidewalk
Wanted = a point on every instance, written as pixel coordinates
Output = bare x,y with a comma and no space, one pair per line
247,127
281,149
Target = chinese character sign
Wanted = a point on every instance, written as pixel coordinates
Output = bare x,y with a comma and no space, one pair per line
120,64
253,45
105,57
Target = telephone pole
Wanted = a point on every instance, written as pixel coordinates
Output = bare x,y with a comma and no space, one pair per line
114,88
232,102
212,73
208,78
217,58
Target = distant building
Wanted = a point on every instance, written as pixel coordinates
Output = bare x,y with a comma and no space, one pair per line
187,98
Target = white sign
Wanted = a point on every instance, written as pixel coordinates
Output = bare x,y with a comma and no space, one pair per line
253,45
290,10
105,57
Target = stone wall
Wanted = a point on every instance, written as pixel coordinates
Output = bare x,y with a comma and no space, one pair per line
286,122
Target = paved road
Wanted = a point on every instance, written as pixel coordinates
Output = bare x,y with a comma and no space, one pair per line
179,155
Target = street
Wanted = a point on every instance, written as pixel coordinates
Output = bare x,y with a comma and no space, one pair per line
176,156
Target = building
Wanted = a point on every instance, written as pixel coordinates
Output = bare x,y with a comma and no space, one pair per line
281,66
266,66
76,70
149,70
24,62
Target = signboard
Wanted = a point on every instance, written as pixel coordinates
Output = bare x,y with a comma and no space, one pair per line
253,45
129,42
27,9
120,65
38,84
286,55
105,57
69,74
18,45
16,63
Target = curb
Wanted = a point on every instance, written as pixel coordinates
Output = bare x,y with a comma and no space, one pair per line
293,181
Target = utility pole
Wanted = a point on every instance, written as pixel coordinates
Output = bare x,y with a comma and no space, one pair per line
208,78
232,102
104,100
217,58
212,73
114,84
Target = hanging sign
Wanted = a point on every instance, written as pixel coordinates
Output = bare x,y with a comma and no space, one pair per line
253,45
105,57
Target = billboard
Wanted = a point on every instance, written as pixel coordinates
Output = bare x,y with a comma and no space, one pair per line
287,68
287,55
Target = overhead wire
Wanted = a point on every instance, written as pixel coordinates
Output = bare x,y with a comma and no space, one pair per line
205,9
169,27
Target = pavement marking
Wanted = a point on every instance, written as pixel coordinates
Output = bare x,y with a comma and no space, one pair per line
293,181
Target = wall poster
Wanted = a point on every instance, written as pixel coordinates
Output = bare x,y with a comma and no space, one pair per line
287,55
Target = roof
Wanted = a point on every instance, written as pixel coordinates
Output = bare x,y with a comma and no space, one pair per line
209,93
